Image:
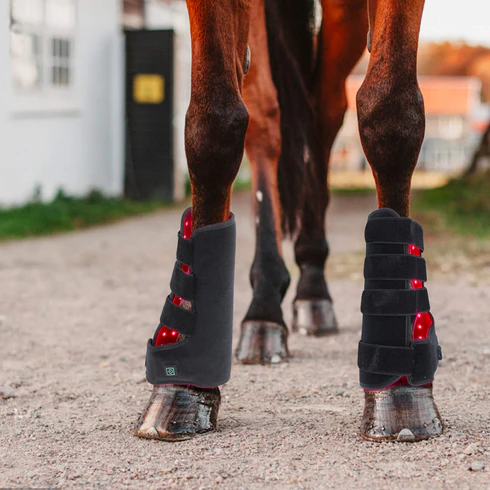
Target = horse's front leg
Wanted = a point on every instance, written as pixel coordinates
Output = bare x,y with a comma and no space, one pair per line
190,354
398,352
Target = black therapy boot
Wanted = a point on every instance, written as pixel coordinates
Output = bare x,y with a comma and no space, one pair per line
398,351
190,354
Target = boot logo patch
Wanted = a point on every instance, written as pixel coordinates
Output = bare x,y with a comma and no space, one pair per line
171,371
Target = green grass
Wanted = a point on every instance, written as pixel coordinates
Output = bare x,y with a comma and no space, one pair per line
67,213
462,204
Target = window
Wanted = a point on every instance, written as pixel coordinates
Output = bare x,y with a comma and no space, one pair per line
42,41
451,127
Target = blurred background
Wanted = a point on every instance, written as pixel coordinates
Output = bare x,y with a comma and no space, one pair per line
94,95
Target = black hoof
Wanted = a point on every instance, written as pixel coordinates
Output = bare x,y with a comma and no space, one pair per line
177,413
314,317
262,343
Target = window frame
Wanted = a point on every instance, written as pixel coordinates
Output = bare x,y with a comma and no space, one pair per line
47,97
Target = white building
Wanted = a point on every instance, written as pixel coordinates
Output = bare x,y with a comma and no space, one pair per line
62,94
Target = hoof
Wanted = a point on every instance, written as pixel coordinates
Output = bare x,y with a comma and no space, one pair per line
177,413
401,413
262,343
314,317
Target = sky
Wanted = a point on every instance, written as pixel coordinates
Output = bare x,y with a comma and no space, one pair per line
467,20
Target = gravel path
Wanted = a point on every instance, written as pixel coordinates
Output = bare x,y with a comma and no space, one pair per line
76,311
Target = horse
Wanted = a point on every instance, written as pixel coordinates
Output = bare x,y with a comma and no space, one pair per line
268,77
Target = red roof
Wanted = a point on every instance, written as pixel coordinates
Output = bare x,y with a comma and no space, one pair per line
442,95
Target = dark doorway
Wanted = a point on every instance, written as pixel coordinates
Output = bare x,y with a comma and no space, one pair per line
149,112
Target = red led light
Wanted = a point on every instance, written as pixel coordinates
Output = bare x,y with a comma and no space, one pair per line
173,337
413,250
423,320
417,284
421,327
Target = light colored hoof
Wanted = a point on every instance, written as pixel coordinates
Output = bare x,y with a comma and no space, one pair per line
314,317
177,413
262,343
402,413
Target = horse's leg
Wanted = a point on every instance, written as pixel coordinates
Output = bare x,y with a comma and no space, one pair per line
397,363
216,124
263,332
341,43
390,105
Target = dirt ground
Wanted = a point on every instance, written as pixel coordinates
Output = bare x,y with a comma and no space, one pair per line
76,311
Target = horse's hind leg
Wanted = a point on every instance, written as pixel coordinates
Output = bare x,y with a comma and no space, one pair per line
342,41
216,124
398,352
263,332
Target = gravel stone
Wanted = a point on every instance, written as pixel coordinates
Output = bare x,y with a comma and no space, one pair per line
6,392
471,449
477,466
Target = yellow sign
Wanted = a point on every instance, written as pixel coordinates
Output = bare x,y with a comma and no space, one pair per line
149,89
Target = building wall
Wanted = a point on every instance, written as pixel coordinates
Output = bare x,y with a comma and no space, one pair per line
73,143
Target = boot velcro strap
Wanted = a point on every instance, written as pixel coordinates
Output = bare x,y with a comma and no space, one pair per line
392,266
177,318
383,359
394,302
182,284
426,356
394,230
185,250
418,361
